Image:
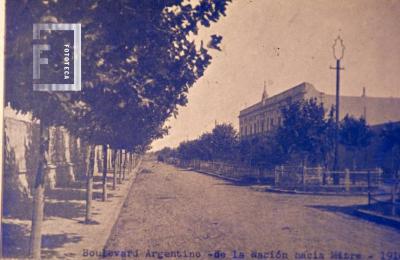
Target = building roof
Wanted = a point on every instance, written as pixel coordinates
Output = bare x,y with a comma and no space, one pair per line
302,88
377,110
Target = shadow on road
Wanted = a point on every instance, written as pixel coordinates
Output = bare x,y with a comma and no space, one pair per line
66,194
352,210
16,241
348,210
51,242
64,209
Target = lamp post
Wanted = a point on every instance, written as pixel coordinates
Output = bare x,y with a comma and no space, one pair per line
338,52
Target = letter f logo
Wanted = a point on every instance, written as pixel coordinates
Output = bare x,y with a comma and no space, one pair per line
37,60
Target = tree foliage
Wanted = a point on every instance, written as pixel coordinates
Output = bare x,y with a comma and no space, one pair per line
220,144
305,131
391,144
261,151
138,60
354,133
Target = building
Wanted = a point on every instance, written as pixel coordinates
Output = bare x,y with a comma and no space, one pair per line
265,115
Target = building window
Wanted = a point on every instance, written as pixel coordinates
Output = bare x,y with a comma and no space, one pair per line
272,122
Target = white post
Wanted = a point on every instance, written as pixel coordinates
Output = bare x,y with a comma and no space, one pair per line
2,89
347,179
51,172
69,164
319,173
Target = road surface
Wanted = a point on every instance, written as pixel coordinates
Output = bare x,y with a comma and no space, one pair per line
173,213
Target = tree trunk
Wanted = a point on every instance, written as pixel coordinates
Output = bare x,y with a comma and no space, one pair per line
104,172
38,199
124,170
89,183
129,163
113,157
120,167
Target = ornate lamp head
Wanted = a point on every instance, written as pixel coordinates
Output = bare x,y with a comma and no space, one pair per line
338,48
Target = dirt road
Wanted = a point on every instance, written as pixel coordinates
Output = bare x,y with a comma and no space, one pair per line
171,213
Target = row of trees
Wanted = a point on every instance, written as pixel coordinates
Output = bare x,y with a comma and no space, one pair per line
138,62
306,136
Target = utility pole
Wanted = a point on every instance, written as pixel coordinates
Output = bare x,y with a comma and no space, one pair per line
338,52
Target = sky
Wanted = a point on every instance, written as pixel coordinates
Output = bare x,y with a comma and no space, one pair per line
284,43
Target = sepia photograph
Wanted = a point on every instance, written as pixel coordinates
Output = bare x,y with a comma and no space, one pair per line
200,129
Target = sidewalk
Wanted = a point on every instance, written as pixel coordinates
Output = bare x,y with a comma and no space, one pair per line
64,234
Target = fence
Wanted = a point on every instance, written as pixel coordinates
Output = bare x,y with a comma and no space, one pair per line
292,177
226,170
297,176
387,196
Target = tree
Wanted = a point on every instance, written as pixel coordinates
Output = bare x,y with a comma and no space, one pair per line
220,144
355,135
195,149
261,151
303,131
49,108
391,144
155,69
327,146
138,65
165,153
223,142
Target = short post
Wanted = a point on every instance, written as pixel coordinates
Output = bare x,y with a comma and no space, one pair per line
380,172
347,179
303,177
320,177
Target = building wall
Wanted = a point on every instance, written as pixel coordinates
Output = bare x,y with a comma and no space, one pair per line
66,155
265,115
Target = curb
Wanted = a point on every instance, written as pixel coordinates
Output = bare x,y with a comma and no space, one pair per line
215,175
296,192
134,173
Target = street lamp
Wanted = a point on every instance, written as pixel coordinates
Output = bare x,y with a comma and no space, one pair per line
338,53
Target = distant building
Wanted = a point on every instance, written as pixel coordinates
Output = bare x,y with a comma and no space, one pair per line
265,115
